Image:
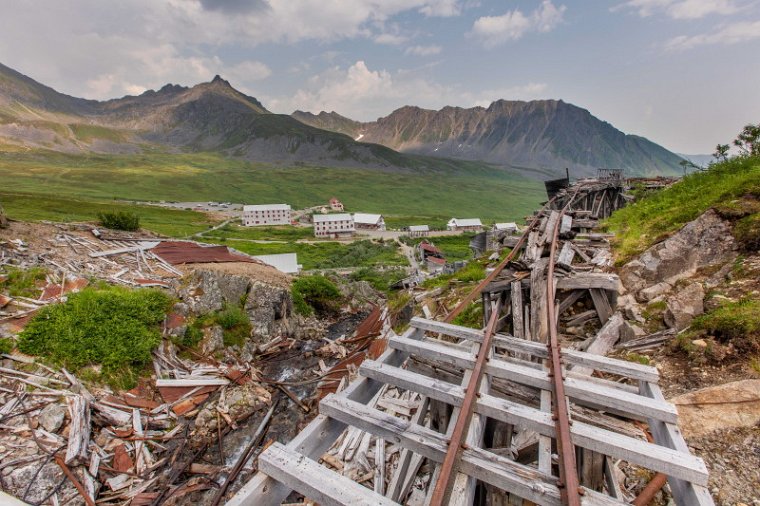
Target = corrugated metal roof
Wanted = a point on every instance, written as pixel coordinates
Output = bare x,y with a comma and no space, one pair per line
179,252
429,247
419,228
367,219
322,218
284,262
465,222
267,207
435,260
505,226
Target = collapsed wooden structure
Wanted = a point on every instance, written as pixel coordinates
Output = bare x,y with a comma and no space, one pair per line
513,435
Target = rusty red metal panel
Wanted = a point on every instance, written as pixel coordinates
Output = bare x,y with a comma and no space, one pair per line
178,252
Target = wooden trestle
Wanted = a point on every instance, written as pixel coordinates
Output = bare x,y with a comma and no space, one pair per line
439,360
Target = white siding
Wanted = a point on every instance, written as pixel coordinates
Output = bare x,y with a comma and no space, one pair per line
267,214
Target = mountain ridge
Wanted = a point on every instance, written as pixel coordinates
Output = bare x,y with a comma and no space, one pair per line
540,134
540,138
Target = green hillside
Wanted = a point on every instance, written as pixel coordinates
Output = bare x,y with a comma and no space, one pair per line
455,188
731,187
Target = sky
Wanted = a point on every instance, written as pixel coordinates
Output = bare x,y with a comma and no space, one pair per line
683,73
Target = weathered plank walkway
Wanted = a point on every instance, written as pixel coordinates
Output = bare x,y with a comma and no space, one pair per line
535,399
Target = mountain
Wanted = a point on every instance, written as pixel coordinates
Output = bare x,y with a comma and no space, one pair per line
544,135
210,117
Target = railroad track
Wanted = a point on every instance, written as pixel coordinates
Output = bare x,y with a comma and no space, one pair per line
489,375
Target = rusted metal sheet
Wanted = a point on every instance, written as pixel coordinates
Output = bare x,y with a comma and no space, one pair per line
53,290
178,252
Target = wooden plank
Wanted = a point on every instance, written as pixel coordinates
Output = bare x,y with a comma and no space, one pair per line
602,304
517,310
589,280
315,481
566,225
539,317
316,438
395,488
643,453
191,382
614,366
582,391
603,341
478,463
550,226
566,255
669,435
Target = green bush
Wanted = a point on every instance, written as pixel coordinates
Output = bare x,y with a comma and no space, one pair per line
314,293
119,220
116,328
380,280
236,325
23,283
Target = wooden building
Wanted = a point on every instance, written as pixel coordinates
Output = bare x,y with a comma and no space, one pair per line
364,221
465,224
266,214
333,225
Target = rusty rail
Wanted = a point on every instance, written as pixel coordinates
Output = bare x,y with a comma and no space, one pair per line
444,484
568,473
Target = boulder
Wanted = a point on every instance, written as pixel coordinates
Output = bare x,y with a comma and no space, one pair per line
652,292
629,332
213,339
51,417
727,406
700,243
684,306
268,308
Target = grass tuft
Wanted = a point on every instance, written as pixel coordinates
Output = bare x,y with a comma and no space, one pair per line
23,282
114,329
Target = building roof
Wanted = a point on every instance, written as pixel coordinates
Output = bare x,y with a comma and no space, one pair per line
320,218
505,226
419,228
465,222
429,247
180,252
436,260
267,207
283,262
367,219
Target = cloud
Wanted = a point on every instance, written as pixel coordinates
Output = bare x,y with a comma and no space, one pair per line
390,39
680,9
727,34
365,94
442,8
423,50
234,6
512,25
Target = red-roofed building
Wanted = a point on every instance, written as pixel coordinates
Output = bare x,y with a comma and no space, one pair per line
336,205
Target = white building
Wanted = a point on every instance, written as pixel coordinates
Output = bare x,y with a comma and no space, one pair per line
333,225
266,214
284,262
369,221
510,228
464,224
419,230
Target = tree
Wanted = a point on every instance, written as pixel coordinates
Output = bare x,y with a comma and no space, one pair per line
721,152
748,141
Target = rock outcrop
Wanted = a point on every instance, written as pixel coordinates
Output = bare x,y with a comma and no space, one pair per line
731,405
684,306
237,403
269,307
704,242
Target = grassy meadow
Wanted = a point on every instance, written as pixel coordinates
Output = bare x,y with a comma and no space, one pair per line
457,189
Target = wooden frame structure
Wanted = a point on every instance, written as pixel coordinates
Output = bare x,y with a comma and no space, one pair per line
295,466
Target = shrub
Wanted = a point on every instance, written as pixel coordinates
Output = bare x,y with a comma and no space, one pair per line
316,292
23,283
6,345
236,325
380,280
115,328
119,220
